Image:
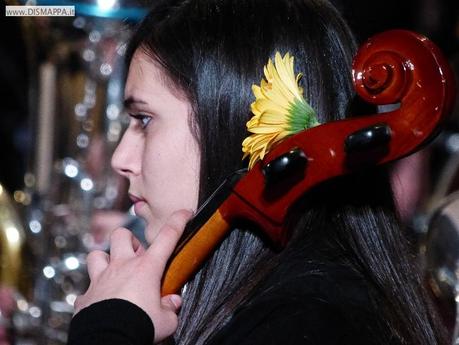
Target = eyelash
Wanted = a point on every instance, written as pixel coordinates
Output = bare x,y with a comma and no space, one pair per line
140,118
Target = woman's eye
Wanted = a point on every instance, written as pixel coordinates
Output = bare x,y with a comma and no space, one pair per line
142,119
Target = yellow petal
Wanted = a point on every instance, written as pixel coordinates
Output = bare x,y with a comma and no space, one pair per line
257,91
277,97
284,67
274,98
266,129
266,105
278,87
270,119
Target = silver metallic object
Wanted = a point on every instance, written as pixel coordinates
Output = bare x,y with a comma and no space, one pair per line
78,124
442,259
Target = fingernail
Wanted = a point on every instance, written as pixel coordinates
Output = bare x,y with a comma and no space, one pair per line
191,211
176,301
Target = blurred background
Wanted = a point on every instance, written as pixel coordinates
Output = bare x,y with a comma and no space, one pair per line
61,117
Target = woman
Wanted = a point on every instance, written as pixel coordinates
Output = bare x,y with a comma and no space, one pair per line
346,275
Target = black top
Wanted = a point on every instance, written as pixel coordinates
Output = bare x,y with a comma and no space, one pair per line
113,321
328,305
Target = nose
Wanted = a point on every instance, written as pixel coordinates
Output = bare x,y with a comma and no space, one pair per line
125,159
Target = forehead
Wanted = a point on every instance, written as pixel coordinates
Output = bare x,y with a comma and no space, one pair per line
148,88
145,74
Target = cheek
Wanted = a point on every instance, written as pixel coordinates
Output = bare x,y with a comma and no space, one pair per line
171,183
171,175
155,168
192,177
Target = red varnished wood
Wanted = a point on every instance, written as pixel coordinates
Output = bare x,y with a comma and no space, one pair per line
392,67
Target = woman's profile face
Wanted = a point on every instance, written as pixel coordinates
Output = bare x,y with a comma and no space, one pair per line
158,154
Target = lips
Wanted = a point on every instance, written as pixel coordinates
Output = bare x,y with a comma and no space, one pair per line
135,199
138,203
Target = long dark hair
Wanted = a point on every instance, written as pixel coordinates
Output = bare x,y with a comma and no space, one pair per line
214,50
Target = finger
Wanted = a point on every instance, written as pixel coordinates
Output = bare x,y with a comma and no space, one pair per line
140,251
121,244
137,246
166,240
171,302
97,261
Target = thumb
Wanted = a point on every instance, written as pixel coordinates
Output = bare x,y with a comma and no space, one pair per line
171,302
164,243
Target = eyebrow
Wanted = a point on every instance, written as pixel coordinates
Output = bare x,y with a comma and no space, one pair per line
127,103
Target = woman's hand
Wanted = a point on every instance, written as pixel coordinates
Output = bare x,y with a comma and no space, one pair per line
134,274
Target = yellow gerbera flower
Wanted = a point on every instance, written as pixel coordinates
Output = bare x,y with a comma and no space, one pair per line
279,109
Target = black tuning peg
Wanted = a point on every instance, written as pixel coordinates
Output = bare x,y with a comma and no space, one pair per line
286,168
367,139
